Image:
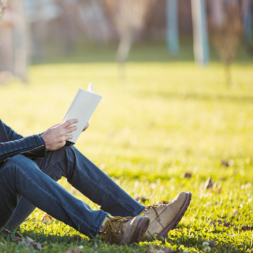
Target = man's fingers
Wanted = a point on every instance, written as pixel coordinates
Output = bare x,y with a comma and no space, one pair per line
69,122
54,125
68,137
70,130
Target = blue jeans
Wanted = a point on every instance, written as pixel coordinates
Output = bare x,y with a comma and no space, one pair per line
26,184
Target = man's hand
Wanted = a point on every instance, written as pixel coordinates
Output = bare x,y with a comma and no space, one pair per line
87,125
56,136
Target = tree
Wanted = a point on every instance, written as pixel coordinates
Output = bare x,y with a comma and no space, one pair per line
2,7
225,31
129,18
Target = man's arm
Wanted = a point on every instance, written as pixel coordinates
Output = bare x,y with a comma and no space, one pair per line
12,144
31,147
36,146
69,143
57,136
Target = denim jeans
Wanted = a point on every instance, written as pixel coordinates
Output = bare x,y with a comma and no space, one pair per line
26,184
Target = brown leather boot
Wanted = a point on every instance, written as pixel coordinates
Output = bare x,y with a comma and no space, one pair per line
164,218
124,230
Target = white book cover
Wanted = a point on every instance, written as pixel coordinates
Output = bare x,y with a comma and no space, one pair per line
82,107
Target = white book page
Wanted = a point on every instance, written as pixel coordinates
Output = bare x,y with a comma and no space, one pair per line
82,107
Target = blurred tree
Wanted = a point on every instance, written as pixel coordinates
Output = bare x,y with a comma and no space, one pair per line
2,7
247,18
225,31
94,21
14,48
129,18
200,38
172,26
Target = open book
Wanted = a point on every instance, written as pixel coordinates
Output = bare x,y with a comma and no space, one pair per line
82,107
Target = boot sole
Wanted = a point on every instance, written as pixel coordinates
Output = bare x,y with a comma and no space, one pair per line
178,218
141,229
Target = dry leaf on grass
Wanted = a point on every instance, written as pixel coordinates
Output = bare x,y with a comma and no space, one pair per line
225,163
216,222
209,183
47,219
219,222
141,199
235,212
218,189
187,175
246,228
212,243
17,237
31,243
75,250
228,225
75,238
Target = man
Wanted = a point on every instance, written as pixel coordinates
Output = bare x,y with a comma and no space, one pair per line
29,167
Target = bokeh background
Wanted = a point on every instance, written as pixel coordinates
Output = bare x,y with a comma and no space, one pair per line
175,75
176,78
47,30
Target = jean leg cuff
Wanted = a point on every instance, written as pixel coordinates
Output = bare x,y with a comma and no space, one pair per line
141,210
101,219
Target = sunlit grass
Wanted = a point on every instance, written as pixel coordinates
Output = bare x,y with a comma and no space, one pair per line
164,120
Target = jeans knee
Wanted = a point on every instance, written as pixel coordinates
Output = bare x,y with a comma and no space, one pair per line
21,161
59,163
69,151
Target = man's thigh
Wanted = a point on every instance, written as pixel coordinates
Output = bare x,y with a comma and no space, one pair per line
10,173
8,194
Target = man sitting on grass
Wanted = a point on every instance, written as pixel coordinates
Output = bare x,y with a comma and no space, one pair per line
29,167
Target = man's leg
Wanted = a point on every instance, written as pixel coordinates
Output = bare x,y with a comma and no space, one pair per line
85,177
21,212
98,187
94,184
20,175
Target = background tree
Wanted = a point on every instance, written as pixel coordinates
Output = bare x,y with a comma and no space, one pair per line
14,49
2,7
129,18
225,25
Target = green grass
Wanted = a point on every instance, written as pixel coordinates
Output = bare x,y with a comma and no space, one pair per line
167,118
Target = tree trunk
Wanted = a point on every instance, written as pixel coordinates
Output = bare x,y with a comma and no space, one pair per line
122,54
2,7
228,74
124,48
217,12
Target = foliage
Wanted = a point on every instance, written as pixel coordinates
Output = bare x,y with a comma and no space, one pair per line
129,18
225,37
170,119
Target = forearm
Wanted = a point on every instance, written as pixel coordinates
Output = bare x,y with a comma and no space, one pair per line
31,147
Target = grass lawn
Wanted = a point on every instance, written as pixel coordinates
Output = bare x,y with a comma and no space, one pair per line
168,118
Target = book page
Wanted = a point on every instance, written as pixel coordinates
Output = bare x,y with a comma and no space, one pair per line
82,107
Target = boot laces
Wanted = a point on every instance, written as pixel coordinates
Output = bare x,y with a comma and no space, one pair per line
154,207
113,227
